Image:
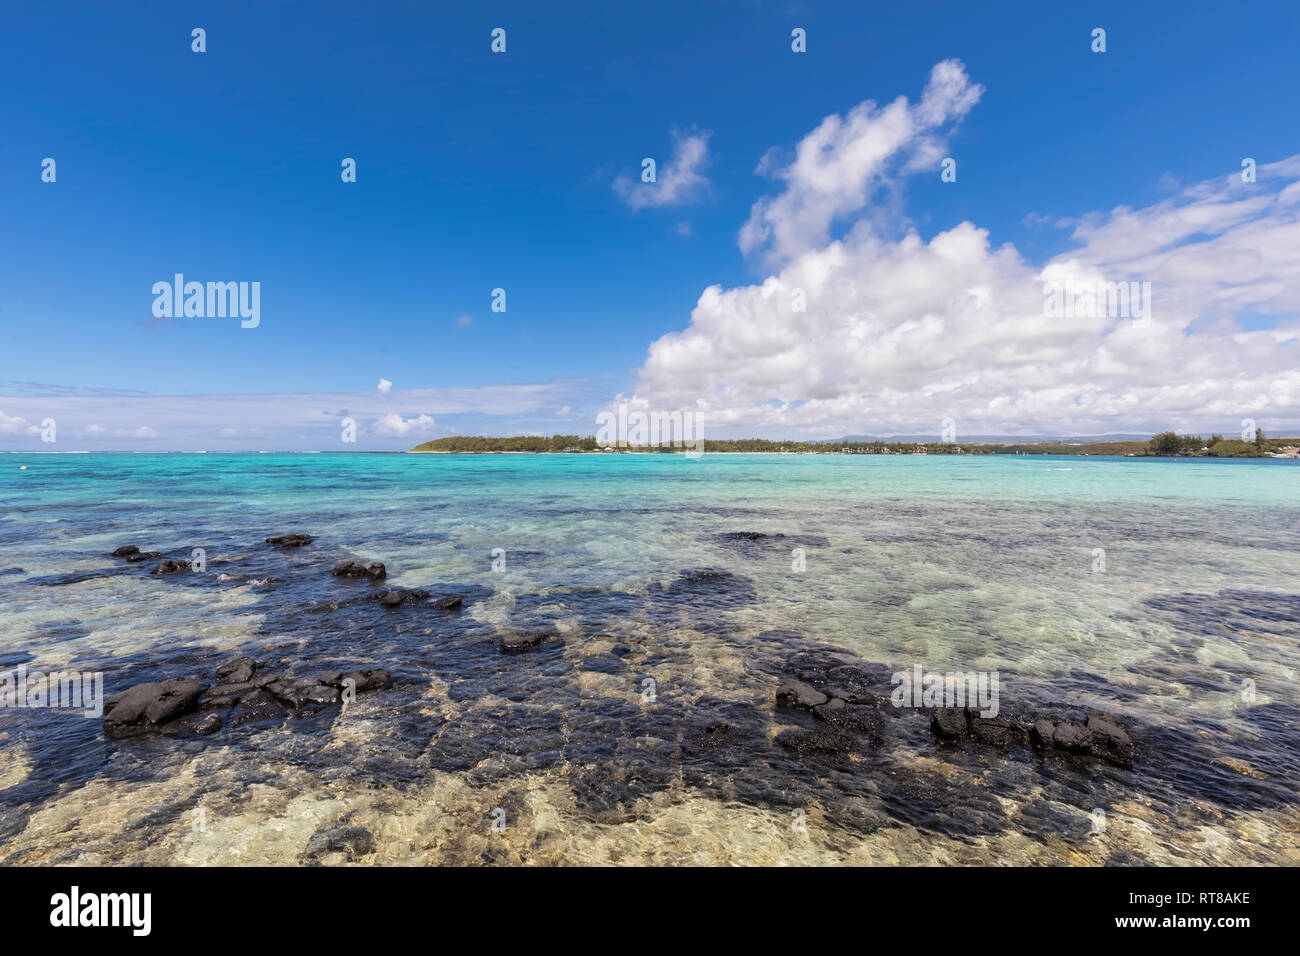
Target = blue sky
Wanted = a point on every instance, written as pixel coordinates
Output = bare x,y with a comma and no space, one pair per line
479,170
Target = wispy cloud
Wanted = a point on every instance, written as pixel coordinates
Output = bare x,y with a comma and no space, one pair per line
838,167
676,183
313,420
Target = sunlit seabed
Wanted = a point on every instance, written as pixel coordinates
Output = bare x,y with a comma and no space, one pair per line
950,563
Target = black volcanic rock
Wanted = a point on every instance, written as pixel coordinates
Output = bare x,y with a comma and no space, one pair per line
227,695
258,705
719,733
171,566
997,731
371,679
795,693
949,723
1110,742
375,571
146,707
303,693
354,841
125,551
400,598
1071,737
813,742
525,640
237,670
135,557
294,540
208,725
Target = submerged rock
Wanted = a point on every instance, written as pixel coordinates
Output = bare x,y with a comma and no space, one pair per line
714,735
257,705
795,693
354,841
526,640
811,742
855,718
451,603
145,707
135,557
294,540
400,598
125,551
303,693
208,725
372,679
171,567
375,571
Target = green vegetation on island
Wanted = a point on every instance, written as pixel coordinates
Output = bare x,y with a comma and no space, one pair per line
1166,444
1172,445
477,444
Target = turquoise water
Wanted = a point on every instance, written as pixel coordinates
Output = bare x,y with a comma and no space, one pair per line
1151,588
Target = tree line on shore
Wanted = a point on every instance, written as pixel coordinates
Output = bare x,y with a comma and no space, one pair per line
1173,445
1166,444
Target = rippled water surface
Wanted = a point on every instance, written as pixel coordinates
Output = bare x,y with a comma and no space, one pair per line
646,730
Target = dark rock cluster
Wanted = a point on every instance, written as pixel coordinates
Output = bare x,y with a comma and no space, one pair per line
849,715
154,707
1100,736
134,555
401,597
850,698
375,571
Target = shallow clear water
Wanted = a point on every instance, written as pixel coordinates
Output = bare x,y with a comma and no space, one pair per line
948,563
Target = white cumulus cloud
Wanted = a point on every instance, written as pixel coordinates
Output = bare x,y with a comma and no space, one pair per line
394,425
11,424
898,334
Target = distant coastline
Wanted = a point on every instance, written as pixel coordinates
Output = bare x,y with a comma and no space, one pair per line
1164,445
